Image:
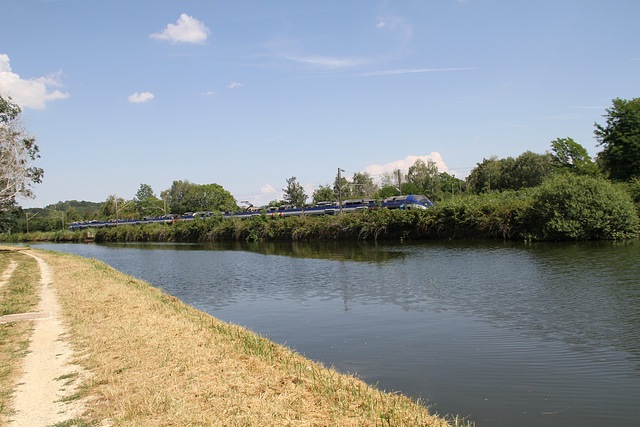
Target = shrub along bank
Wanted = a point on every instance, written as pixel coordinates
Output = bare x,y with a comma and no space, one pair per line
564,207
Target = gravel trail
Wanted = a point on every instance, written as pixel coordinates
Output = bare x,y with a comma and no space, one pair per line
47,374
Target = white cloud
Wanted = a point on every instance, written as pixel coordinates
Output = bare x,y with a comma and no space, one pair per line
209,93
137,98
186,30
267,189
267,194
234,85
31,93
406,163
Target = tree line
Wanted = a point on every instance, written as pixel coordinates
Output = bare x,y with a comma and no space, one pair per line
618,162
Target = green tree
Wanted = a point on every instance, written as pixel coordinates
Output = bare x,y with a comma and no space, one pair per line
568,155
146,203
450,185
387,191
493,174
486,176
426,179
363,185
294,193
114,208
341,185
527,170
324,194
71,215
175,196
18,151
620,138
208,197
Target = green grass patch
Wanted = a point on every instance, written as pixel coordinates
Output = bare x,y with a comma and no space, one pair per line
19,293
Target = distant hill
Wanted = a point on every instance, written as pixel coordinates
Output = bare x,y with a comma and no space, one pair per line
81,207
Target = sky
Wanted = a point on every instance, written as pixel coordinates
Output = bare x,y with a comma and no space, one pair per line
249,93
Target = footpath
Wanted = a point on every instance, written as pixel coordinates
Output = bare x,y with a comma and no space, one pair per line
47,372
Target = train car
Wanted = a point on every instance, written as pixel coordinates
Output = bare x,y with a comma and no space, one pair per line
412,201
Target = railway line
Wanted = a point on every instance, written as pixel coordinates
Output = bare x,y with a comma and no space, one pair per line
412,201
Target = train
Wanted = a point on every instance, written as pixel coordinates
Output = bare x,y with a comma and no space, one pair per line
412,201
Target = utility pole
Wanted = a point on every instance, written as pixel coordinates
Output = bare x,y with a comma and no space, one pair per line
400,181
340,189
117,210
61,216
27,214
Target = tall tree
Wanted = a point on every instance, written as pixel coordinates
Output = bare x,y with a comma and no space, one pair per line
208,197
363,185
527,170
18,151
175,196
620,138
485,176
113,207
425,177
146,203
341,186
324,194
294,193
450,185
570,156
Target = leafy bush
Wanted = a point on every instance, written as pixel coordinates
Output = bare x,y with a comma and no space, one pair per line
570,207
633,188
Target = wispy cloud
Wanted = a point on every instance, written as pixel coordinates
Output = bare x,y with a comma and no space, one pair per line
292,51
328,62
137,98
234,85
413,71
186,30
31,93
397,25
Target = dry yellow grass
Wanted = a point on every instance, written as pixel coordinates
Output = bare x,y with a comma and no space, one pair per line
156,361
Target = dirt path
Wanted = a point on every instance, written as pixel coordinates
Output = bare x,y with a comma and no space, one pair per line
8,272
37,400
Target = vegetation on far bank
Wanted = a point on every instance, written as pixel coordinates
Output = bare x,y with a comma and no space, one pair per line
155,360
564,207
562,194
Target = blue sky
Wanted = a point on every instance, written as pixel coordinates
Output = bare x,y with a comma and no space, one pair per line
249,93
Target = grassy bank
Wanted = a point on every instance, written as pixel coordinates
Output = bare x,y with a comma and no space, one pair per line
156,361
48,236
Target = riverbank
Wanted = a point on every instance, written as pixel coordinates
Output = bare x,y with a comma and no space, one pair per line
153,360
564,208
